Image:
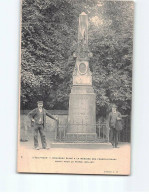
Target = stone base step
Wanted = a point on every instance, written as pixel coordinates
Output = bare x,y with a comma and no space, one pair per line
96,140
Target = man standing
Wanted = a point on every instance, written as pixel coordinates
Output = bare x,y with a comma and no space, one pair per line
38,119
114,116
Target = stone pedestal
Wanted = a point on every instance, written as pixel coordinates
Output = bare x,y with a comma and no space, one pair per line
82,114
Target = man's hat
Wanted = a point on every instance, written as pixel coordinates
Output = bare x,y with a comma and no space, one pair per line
114,106
40,102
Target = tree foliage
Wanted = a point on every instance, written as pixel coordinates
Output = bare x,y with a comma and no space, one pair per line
49,38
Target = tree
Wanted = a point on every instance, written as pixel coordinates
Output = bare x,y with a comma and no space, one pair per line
49,38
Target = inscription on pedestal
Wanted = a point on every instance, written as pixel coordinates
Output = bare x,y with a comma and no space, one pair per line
81,117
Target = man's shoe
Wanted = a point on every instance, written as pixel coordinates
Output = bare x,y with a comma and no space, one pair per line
36,148
116,147
46,148
112,144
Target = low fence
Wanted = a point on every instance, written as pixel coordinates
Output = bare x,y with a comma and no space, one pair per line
58,131
103,130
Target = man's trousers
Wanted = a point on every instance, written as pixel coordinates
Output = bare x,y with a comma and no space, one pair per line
40,129
114,136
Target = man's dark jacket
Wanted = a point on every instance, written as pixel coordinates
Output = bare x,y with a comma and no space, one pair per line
113,117
33,115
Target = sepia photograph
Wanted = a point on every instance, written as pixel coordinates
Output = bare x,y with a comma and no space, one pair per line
75,88
74,96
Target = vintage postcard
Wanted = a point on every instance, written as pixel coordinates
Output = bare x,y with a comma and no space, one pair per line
75,87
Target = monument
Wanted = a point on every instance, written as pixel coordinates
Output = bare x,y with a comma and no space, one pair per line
82,100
